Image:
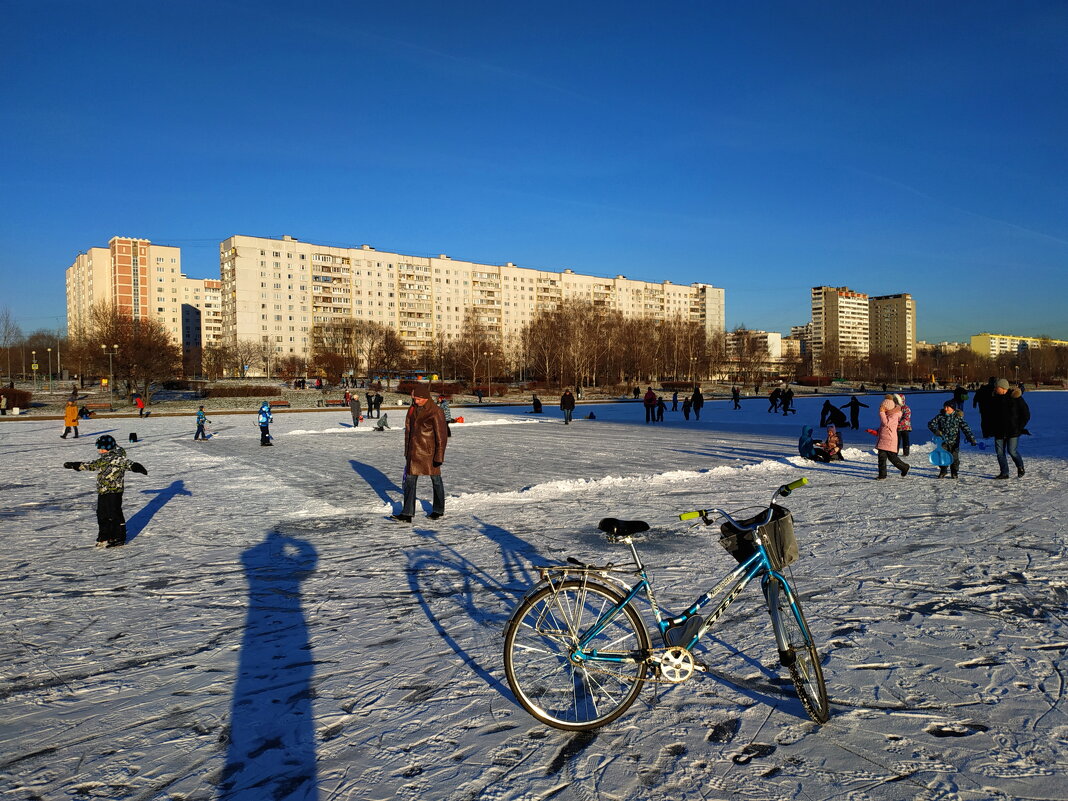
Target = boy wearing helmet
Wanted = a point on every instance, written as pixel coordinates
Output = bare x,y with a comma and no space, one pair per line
111,467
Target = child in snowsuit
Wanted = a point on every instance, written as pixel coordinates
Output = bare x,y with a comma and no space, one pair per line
904,425
202,420
949,424
889,415
264,419
111,468
830,449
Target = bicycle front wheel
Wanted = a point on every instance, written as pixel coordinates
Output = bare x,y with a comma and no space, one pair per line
540,639
797,651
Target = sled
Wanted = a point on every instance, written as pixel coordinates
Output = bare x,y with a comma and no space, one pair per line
940,457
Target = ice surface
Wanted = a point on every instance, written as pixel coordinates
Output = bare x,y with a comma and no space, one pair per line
268,634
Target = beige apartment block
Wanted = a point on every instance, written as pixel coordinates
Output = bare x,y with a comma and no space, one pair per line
276,290
840,323
892,326
996,344
145,281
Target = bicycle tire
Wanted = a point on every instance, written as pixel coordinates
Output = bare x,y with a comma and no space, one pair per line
538,642
801,657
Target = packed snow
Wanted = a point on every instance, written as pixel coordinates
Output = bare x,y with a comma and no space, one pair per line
267,632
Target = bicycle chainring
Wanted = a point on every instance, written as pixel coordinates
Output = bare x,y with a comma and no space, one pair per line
676,665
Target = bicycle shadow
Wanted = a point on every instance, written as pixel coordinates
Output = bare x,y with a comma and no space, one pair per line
136,524
382,484
443,580
271,750
757,691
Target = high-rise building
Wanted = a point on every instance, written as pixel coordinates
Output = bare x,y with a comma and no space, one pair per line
276,291
892,326
840,323
145,281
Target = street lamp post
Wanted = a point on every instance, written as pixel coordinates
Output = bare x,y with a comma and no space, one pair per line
111,366
485,355
1016,367
33,368
962,374
49,370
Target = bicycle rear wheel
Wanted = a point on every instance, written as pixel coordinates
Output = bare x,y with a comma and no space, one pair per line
539,640
797,651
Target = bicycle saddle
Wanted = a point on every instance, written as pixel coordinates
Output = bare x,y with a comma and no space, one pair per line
622,528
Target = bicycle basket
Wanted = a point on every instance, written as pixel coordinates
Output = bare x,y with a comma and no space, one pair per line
778,538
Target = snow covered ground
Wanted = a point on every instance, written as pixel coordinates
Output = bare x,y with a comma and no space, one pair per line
268,634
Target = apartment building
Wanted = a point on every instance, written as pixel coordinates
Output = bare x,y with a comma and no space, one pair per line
278,290
996,344
840,323
145,281
892,326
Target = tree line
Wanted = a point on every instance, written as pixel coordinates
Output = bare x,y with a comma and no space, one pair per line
575,344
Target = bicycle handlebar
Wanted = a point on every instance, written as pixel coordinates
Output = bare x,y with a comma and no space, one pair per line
784,490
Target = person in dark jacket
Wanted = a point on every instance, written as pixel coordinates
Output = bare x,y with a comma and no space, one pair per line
1009,416
773,400
111,467
697,401
949,424
425,437
536,405
675,401
825,413
982,400
649,402
854,411
736,396
378,403
687,405
567,405
661,407
788,402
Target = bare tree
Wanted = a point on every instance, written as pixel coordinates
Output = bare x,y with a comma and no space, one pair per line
245,353
10,333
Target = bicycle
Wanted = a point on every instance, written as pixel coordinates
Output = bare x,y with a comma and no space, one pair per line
576,648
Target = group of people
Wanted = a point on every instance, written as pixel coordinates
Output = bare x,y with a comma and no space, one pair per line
781,400
1003,412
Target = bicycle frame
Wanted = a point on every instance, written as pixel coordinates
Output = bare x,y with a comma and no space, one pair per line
737,580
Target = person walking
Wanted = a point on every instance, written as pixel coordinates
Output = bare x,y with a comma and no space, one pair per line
788,402
960,394
904,425
687,405
140,405
567,406
378,403
736,396
3,405
983,398
111,467
446,410
661,407
356,409
1009,415
697,401
264,418
649,402
854,407
70,420
949,424
773,400
889,415
202,420
425,439
675,401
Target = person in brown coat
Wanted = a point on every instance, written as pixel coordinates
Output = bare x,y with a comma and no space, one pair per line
70,420
425,437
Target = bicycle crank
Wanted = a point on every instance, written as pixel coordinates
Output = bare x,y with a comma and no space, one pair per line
676,665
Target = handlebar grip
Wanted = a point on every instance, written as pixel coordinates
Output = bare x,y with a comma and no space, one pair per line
797,484
692,515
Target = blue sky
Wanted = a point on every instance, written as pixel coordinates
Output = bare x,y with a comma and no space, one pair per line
764,147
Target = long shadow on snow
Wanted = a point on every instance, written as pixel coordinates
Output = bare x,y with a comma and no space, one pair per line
382,484
464,581
136,524
271,751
